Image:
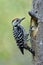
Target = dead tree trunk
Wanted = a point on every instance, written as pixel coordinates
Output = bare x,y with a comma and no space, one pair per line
37,37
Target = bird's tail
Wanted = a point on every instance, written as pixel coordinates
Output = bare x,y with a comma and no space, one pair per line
29,49
22,50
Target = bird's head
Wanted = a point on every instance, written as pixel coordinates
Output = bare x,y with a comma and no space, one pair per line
17,21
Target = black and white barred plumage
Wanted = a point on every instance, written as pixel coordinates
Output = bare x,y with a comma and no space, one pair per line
21,36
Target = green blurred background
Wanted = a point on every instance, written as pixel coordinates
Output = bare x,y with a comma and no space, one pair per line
9,52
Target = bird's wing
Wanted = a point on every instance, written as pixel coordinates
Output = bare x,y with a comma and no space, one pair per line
26,34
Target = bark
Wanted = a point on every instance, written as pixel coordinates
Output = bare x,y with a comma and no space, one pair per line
37,42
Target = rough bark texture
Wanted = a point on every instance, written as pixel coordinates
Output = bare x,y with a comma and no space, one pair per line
38,43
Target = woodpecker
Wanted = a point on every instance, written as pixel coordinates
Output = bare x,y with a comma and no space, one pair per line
21,36
33,23
34,31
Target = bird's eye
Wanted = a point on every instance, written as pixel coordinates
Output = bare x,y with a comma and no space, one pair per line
17,20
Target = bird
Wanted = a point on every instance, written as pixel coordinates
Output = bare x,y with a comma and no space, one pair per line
33,23
21,36
34,27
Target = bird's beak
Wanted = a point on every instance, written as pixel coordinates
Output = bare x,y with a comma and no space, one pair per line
22,19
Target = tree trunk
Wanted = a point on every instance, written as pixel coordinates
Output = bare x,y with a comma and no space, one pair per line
37,42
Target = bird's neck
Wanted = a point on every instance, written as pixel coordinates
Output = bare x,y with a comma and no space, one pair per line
17,26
